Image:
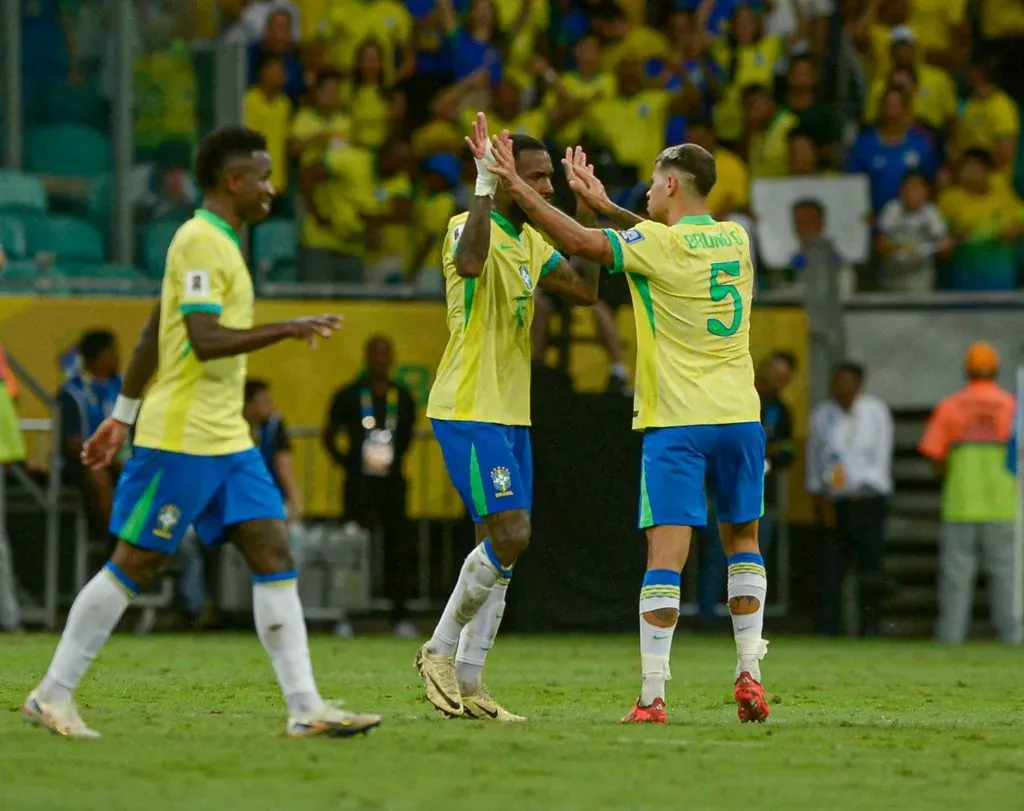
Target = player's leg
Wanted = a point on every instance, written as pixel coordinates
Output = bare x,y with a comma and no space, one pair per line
672,502
249,513
156,498
737,483
475,452
477,638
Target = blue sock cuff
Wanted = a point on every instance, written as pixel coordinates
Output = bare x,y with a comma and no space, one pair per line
663,577
276,579
747,557
122,579
505,573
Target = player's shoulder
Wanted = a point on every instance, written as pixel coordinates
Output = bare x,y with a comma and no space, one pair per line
643,231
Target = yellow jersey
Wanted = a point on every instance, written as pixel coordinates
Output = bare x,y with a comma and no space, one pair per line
935,101
196,407
935,21
349,23
769,150
633,127
732,189
692,285
1001,19
484,374
343,198
983,122
271,118
394,238
371,116
601,86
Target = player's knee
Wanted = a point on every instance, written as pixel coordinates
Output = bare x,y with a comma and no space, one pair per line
511,537
662,617
139,565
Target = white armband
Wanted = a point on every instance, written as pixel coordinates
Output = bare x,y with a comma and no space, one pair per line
126,409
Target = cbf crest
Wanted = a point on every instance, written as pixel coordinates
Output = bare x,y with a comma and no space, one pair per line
167,519
524,274
501,478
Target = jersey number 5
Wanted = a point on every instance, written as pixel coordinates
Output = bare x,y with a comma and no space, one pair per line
721,291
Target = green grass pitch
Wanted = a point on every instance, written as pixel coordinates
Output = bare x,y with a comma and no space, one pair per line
196,723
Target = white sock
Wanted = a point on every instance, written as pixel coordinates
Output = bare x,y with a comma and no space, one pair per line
281,628
660,590
747,578
477,638
477,578
97,610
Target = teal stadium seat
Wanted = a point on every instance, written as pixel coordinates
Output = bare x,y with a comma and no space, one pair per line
274,248
61,103
24,274
67,150
13,237
156,239
67,237
21,191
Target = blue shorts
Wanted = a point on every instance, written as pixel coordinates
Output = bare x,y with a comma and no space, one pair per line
677,462
490,465
161,494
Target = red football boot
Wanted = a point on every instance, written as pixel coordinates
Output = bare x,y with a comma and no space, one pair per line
751,704
654,714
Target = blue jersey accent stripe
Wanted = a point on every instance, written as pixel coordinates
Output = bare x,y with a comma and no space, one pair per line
276,577
662,577
124,580
188,309
551,264
746,557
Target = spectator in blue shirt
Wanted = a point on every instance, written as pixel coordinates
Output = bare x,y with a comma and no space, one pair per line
476,43
891,149
85,400
278,41
718,12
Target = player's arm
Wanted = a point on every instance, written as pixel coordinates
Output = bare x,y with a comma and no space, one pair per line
591,192
569,235
475,240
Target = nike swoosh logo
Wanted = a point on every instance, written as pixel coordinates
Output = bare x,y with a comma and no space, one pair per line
447,700
505,247
666,636
489,713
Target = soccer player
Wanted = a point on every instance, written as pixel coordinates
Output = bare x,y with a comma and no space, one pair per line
194,462
691,280
480,407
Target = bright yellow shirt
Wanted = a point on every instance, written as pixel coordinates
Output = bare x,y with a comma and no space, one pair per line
751,64
732,191
980,216
193,406
349,22
934,22
640,43
1002,18
983,122
634,127
343,198
271,118
521,51
484,374
692,286
371,116
430,217
577,88
309,121
935,101
769,151
311,17
394,239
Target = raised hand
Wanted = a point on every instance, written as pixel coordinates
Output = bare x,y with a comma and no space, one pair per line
479,141
483,156
101,448
504,159
310,327
584,183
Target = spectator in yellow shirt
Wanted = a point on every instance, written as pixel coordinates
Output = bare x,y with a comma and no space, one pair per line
731,193
391,233
933,92
571,94
990,121
266,109
872,33
433,208
350,22
506,111
622,39
943,32
747,57
323,123
768,129
377,108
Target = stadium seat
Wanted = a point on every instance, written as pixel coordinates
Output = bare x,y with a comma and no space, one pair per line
67,150
274,247
67,237
21,191
61,103
24,274
156,239
12,237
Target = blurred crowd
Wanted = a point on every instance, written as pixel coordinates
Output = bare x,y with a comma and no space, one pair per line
365,104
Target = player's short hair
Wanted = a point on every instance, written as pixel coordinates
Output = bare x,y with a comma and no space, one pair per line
95,342
219,147
693,163
254,386
849,367
526,143
980,155
786,357
810,202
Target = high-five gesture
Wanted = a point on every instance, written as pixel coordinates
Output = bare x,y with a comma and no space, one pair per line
582,180
480,146
504,159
